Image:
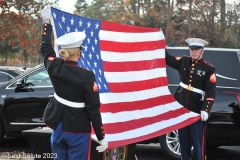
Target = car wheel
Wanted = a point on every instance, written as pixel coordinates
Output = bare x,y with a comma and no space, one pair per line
170,145
1,132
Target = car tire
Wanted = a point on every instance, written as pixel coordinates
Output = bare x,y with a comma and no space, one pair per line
1,132
170,145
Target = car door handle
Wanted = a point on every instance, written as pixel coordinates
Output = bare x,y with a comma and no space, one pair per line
50,96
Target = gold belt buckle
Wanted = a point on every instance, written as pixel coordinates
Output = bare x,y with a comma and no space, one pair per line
190,88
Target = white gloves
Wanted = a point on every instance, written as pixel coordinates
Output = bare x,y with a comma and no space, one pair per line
103,145
204,115
46,12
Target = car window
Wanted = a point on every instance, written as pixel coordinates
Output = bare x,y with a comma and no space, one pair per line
38,78
5,77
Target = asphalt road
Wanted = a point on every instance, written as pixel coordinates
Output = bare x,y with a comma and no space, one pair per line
144,152
153,152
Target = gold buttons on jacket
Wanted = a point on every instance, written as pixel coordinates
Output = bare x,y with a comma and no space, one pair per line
190,76
44,29
103,134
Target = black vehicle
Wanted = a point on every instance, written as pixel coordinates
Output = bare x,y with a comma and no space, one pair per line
22,103
24,98
223,125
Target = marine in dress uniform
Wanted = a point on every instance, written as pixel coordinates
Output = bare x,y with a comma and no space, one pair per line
75,105
196,92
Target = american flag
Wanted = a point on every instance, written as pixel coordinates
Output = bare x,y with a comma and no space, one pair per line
129,66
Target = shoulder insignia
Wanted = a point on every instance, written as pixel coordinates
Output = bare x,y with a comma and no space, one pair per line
95,88
213,78
50,58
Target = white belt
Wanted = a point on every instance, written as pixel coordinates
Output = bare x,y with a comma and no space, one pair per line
69,103
190,88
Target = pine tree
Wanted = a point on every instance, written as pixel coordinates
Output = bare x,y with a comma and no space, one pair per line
80,6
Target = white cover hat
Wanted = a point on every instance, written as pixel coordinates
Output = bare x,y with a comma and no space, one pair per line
196,42
71,40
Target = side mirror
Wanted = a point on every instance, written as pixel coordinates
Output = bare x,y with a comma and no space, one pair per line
20,83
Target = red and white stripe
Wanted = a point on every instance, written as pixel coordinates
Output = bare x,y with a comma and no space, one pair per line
139,106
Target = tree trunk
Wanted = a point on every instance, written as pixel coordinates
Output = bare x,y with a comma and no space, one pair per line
223,14
169,17
190,18
5,57
213,12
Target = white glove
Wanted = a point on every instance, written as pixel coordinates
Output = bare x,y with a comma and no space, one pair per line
103,145
204,115
46,12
